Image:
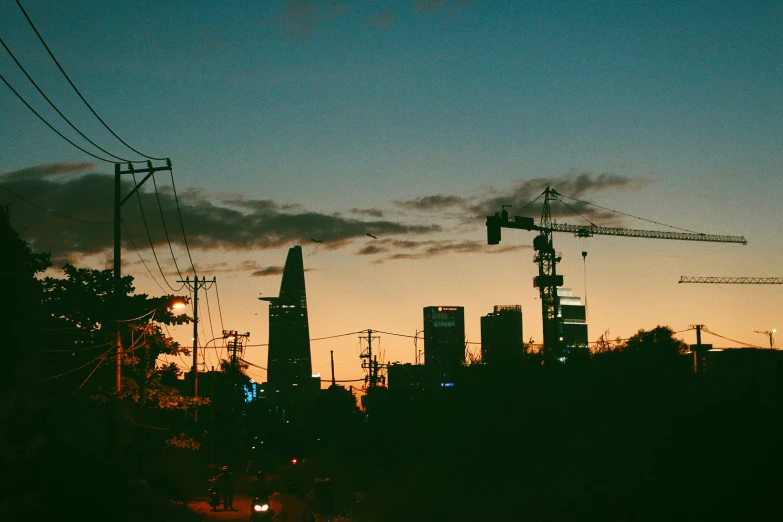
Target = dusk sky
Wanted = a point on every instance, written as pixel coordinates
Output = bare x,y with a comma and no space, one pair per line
411,120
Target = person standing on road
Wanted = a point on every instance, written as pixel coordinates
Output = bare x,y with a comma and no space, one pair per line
294,509
260,489
226,483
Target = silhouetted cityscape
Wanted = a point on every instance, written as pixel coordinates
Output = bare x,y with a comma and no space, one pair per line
310,261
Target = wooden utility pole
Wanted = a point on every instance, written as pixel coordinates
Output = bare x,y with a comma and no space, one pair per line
194,285
331,355
149,170
368,355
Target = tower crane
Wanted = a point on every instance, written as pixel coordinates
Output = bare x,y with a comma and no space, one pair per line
548,280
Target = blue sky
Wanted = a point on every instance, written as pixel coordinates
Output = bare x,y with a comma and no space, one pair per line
334,106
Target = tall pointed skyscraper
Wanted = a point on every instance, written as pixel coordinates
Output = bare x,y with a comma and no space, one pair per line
289,333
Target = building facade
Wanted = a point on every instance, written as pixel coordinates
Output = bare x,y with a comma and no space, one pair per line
289,363
444,336
571,321
501,335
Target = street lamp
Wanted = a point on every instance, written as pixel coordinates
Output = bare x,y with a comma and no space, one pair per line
769,333
172,302
178,302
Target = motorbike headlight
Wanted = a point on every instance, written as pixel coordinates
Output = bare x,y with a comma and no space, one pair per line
260,507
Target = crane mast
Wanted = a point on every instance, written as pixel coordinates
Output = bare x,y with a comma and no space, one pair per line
547,280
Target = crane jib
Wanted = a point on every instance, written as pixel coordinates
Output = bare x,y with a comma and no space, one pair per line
582,231
503,220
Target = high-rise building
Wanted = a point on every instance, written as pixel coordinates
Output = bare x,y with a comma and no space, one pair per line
571,321
444,336
501,335
289,362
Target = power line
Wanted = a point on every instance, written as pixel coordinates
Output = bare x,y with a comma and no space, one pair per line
51,103
253,365
74,86
316,338
705,329
52,211
49,124
82,349
82,366
417,337
220,311
141,258
100,363
209,314
149,237
165,228
182,226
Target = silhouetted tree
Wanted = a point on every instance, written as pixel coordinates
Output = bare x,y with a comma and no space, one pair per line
21,304
82,311
604,344
658,343
22,403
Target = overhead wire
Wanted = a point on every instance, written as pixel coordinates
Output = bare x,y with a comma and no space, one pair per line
413,337
100,363
52,211
112,342
209,314
165,228
220,311
253,365
80,367
181,224
21,98
149,237
51,103
707,330
54,59
133,244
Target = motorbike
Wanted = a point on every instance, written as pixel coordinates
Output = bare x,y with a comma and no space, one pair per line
260,511
214,495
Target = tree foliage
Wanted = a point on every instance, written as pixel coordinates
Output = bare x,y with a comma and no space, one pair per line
658,343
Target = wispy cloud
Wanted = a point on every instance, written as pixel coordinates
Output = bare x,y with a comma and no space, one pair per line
434,202
390,250
211,223
237,223
268,271
373,212
576,184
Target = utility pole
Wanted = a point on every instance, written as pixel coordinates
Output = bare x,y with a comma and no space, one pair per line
118,202
331,354
194,285
698,350
235,344
416,346
369,362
